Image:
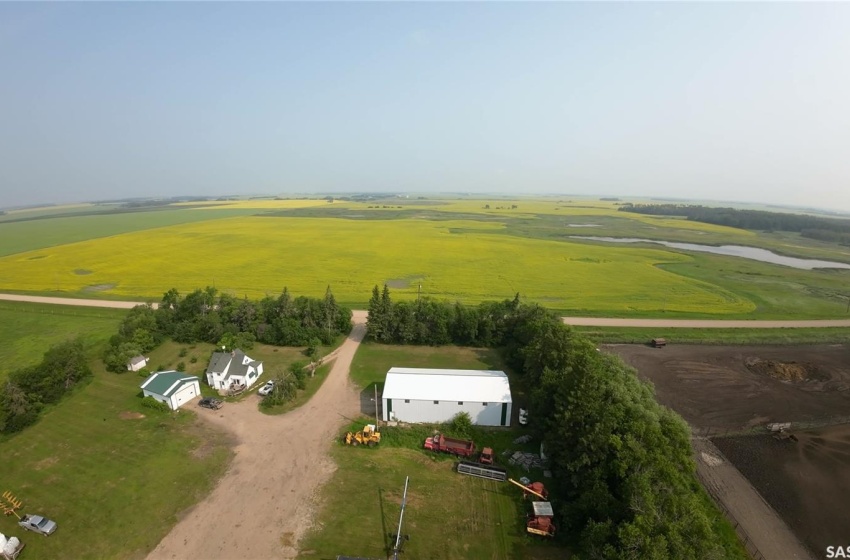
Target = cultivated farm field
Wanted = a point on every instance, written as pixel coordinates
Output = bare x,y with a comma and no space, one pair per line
466,250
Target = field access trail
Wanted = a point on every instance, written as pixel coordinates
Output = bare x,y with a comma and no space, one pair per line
576,321
265,501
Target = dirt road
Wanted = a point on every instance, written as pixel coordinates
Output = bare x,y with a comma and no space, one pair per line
765,529
577,321
264,503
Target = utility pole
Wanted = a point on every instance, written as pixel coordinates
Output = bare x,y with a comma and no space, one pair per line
376,405
398,545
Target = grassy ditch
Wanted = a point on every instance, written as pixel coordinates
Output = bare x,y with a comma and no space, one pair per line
625,335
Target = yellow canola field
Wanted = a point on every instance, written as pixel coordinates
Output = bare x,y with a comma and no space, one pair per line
255,256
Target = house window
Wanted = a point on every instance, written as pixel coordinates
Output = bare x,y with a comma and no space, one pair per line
436,402
407,401
484,404
460,403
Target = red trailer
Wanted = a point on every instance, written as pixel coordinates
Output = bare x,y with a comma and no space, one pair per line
444,444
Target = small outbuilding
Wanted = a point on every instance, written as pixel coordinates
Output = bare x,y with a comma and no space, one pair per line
172,387
437,395
137,362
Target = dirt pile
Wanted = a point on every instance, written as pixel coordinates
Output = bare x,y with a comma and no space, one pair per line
794,372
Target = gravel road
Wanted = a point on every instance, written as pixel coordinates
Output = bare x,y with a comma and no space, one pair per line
577,321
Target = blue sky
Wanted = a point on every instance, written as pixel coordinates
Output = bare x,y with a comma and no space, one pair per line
712,101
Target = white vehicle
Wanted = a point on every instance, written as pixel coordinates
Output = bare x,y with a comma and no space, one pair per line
266,389
38,524
523,416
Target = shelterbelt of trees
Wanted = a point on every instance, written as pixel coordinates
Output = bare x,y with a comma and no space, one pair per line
814,227
625,484
211,316
28,390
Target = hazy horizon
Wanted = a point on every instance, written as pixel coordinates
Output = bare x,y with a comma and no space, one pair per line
713,102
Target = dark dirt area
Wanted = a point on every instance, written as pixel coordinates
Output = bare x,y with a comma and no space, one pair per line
806,481
738,387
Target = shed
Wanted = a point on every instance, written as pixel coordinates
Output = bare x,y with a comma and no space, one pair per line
436,395
171,387
137,362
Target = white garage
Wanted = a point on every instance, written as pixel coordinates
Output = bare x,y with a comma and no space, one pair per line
436,395
171,387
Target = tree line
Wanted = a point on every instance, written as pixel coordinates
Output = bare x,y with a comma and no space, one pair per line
624,481
28,390
814,227
219,318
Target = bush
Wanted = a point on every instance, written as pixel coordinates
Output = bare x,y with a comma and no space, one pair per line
144,372
181,366
161,367
183,352
460,425
193,359
153,404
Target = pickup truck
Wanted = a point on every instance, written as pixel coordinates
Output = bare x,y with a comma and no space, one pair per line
38,524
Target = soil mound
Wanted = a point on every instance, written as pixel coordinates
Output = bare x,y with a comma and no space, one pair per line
795,372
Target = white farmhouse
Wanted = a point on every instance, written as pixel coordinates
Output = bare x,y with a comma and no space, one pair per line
436,395
171,387
229,369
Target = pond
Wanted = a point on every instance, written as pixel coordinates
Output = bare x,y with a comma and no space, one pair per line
752,253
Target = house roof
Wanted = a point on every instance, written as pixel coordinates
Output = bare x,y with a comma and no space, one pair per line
447,385
138,360
166,383
239,363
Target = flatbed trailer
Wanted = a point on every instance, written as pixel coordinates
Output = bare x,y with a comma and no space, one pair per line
482,471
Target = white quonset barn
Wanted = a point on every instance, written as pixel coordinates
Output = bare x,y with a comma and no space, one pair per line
171,387
436,395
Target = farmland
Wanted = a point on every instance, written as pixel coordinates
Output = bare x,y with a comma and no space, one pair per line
453,249
719,394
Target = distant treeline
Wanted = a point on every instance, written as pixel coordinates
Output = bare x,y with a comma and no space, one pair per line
624,483
814,227
219,318
27,391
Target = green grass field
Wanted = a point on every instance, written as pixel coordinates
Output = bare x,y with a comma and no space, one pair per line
456,249
114,475
372,360
448,516
28,330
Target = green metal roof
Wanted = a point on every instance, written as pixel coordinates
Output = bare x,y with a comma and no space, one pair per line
166,383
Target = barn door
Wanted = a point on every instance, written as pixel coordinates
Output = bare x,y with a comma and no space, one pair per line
504,413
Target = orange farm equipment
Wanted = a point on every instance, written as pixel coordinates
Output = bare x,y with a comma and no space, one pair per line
443,444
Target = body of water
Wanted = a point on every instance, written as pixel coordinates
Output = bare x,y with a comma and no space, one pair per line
752,253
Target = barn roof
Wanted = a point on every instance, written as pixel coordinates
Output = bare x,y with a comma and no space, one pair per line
447,385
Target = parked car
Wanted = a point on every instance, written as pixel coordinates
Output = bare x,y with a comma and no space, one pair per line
38,524
266,389
523,416
209,402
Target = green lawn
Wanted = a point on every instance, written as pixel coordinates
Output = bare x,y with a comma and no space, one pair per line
114,475
448,516
372,360
28,330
